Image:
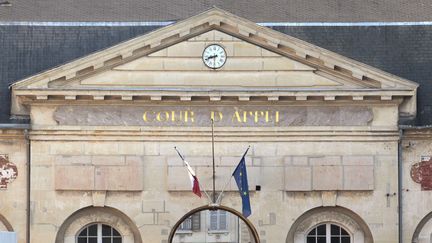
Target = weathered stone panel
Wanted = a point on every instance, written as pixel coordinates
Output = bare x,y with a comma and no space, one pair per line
298,178
358,177
327,177
74,178
97,171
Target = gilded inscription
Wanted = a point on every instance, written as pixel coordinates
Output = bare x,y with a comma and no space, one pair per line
224,116
256,116
169,116
186,116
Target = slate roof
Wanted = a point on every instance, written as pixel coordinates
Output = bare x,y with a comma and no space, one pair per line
405,51
257,11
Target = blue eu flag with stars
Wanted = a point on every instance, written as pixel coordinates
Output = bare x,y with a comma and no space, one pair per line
240,177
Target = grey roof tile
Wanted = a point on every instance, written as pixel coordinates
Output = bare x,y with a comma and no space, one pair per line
258,11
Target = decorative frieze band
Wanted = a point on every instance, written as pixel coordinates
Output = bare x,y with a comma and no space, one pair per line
191,95
224,116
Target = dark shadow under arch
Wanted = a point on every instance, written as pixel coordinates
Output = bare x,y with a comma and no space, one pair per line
341,210
6,223
215,207
84,211
420,226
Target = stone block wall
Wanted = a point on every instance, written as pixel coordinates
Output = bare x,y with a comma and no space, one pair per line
13,194
294,178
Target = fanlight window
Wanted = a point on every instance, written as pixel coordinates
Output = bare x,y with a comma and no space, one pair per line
99,233
328,233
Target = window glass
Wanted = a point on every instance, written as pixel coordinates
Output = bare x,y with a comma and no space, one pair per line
335,239
313,232
193,222
218,220
116,233
346,239
106,240
321,230
186,225
106,230
321,239
196,221
222,220
213,220
92,230
335,230
83,232
343,232
311,240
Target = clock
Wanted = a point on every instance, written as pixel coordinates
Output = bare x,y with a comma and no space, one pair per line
214,56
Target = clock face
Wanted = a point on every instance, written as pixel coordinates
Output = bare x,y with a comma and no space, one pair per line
214,56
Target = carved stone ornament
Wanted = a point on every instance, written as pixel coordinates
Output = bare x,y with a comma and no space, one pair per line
8,171
422,173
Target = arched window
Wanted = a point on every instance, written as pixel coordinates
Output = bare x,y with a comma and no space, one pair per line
99,233
348,227
328,233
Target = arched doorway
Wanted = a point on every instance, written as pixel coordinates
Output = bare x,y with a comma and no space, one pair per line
7,233
328,225
213,224
98,222
4,224
423,231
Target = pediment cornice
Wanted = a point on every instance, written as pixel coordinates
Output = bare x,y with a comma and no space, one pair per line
373,83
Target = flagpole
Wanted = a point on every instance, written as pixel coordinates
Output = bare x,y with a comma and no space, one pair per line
223,189
214,172
205,191
229,179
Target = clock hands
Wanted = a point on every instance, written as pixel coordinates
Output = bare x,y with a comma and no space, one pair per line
214,60
214,56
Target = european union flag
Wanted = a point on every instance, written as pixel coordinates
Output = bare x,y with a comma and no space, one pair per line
240,177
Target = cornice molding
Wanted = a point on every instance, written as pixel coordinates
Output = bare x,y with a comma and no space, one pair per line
11,134
291,134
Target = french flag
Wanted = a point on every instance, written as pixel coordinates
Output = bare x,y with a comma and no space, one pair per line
194,180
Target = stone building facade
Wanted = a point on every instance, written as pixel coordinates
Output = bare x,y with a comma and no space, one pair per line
326,149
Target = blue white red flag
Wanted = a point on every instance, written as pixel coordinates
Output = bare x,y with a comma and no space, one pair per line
194,180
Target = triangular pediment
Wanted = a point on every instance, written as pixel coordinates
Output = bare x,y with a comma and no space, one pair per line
260,62
181,65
